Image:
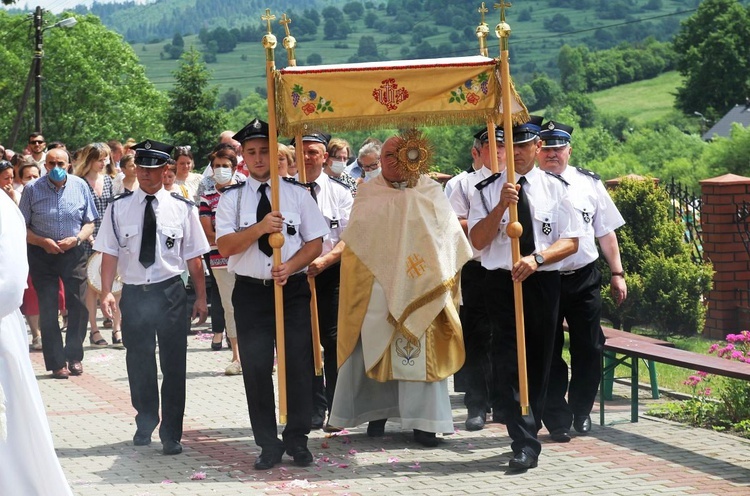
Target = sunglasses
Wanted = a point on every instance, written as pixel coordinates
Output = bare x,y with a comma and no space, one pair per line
57,164
36,142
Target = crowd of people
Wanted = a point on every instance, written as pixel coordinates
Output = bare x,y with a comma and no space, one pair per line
412,282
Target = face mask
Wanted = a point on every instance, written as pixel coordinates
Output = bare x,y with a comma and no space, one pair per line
222,175
372,174
58,174
338,166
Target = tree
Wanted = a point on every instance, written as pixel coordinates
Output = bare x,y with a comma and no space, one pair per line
252,106
354,10
665,286
713,53
95,88
572,71
192,117
230,99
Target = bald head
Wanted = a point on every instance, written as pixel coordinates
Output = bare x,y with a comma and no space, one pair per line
389,162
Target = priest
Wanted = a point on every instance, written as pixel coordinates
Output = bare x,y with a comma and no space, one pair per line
401,336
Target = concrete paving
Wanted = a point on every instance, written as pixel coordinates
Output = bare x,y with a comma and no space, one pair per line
92,424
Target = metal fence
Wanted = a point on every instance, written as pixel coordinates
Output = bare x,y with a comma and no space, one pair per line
686,209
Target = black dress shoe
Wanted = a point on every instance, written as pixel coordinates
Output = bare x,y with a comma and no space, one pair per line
475,420
560,435
267,459
302,456
523,461
171,447
376,428
75,367
582,423
426,439
141,439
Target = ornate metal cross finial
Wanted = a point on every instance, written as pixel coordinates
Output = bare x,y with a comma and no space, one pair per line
502,6
268,18
285,22
482,10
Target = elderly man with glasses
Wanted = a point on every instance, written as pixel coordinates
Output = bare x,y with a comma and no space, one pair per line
59,211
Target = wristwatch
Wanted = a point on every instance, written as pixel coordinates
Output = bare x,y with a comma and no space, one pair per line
78,241
621,274
539,259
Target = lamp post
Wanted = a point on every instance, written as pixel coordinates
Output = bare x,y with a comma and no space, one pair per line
39,30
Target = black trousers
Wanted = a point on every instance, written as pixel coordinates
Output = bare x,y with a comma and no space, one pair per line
476,374
46,270
214,298
327,288
256,336
541,292
581,306
159,313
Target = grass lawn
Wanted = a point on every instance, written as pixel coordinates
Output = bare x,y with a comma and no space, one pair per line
642,101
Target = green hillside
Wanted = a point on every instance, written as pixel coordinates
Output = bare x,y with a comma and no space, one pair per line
540,28
642,101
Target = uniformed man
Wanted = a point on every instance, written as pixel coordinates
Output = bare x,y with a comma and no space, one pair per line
244,220
580,297
476,373
335,201
551,232
149,236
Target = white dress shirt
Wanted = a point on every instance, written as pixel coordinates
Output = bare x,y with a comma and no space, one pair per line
552,214
335,203
595,209
237,211
179,236
460,197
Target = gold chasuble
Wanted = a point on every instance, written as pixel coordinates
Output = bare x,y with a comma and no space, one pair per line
413,333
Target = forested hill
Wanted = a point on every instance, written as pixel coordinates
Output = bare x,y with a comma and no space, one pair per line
578,18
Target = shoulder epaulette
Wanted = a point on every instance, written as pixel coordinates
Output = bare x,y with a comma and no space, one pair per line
482,184
231,187
558,176
122,195
291,180
180,197
340,182
588,173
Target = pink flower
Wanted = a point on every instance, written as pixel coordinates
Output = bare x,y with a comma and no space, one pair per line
713,347
737,355
731,338
701,374
707,391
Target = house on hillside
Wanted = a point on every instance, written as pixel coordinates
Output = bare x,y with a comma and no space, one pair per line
723,127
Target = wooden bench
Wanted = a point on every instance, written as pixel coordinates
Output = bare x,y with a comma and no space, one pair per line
635,347
611,362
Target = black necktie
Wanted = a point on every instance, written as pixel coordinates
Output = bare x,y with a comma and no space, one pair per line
264,208
147,256
312,191
524,217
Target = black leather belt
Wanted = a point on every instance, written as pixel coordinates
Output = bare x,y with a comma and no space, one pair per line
582,269
474,263
155,286
268,282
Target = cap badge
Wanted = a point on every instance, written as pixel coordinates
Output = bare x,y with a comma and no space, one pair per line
551,126
147,145
256,124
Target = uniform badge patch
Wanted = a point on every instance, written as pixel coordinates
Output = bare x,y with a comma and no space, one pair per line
290,230
169,242
586,217
546,228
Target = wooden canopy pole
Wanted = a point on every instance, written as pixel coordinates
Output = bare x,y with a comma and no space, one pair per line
276,240
514,230
290,44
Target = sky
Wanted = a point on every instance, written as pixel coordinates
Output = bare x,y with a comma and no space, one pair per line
57,6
